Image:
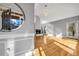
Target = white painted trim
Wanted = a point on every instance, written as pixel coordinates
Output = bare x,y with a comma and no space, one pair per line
23,51
66,29
12,37
4,47
24,39
39,34
15,36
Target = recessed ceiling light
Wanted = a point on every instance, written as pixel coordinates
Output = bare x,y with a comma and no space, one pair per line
45,5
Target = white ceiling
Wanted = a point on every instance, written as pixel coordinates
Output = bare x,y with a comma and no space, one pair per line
56,11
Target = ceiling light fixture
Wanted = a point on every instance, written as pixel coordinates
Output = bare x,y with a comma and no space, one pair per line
45,10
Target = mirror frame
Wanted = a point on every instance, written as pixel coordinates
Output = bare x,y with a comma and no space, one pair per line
20,8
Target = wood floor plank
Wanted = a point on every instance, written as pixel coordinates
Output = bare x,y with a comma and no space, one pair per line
53,46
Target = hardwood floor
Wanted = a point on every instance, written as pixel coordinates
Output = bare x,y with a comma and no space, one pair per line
53,46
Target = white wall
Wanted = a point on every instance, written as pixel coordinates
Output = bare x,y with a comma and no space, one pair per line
49,28
37,23
23,43
78,28
0,22
59,27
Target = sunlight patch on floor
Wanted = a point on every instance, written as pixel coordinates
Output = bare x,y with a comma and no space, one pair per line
69,50
36,52
45,40
39,52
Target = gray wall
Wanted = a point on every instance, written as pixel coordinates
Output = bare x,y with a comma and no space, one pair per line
60,26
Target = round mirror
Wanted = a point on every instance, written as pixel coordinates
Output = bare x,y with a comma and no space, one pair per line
12,16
